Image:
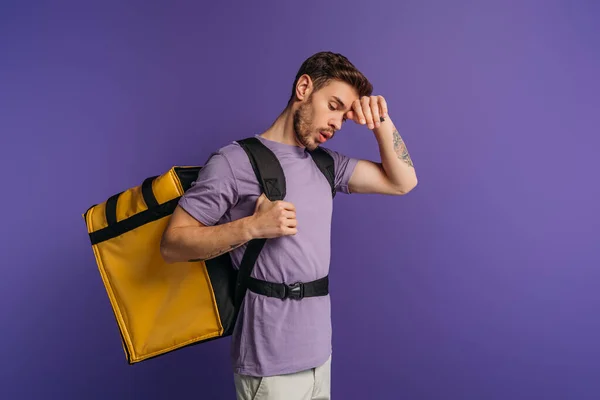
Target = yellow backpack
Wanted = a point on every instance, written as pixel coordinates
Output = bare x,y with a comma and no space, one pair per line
162,307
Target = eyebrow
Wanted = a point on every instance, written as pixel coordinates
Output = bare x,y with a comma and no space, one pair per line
340,102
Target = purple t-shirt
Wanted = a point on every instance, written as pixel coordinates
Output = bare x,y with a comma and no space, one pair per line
272,336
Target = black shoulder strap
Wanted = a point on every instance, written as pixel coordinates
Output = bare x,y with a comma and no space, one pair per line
266,167
325,163
270,176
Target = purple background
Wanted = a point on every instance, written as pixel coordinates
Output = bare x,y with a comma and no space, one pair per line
481,284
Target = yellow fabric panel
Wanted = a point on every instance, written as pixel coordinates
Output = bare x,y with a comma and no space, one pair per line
130,203
96,219
167,187
159,307
159,304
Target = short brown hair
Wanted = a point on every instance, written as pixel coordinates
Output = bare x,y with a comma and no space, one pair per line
325,66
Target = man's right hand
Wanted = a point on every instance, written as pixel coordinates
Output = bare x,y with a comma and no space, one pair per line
273,219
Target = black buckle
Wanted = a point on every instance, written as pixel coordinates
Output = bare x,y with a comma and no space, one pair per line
294,291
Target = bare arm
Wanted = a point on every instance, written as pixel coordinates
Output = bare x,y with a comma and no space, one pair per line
186,239
395,174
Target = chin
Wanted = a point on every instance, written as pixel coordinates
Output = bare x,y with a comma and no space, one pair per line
313,145
307,141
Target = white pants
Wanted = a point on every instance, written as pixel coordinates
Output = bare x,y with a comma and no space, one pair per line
312,384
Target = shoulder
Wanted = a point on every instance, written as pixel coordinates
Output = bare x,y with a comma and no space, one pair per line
231,150
231,162
225,159
343,163
233,153
216,189
338,157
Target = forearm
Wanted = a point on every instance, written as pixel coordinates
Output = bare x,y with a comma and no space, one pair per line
395,159
192,243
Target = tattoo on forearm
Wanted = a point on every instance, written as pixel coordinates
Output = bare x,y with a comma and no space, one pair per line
217,253
400,148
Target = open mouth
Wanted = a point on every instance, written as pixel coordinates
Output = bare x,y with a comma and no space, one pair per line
323,137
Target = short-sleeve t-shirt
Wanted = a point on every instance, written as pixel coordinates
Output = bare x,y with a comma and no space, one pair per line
272,336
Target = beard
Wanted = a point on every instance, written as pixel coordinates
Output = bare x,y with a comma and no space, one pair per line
303,127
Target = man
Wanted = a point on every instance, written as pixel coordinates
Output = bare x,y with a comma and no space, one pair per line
281,349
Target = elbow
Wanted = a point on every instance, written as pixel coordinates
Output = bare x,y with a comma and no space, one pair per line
165,253
166,249
166,256
407,188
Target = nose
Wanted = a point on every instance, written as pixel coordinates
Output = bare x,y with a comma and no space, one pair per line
335,126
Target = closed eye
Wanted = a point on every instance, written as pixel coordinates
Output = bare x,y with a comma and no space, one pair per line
333,107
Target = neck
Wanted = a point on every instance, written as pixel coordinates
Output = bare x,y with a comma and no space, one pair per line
282,130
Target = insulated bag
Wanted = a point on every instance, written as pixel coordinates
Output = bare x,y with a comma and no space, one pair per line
162,307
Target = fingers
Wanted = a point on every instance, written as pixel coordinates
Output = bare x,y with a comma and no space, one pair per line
375,112
369,110
289,214
262,199
288,220
287,206
351,115
365,103
289,232
289,225
358,113
383,106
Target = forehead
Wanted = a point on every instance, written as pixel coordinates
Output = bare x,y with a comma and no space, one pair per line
342,90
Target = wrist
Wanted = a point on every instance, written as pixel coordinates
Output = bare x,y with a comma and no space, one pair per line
384,131
249,228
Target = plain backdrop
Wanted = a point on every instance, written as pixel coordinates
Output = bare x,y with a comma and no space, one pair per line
482,283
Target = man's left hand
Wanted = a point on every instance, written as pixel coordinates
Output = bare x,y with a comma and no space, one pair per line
368,110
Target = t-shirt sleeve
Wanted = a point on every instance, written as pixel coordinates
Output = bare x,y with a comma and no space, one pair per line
213,193
344,167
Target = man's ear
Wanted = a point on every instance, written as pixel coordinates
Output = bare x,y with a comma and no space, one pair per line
304,87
